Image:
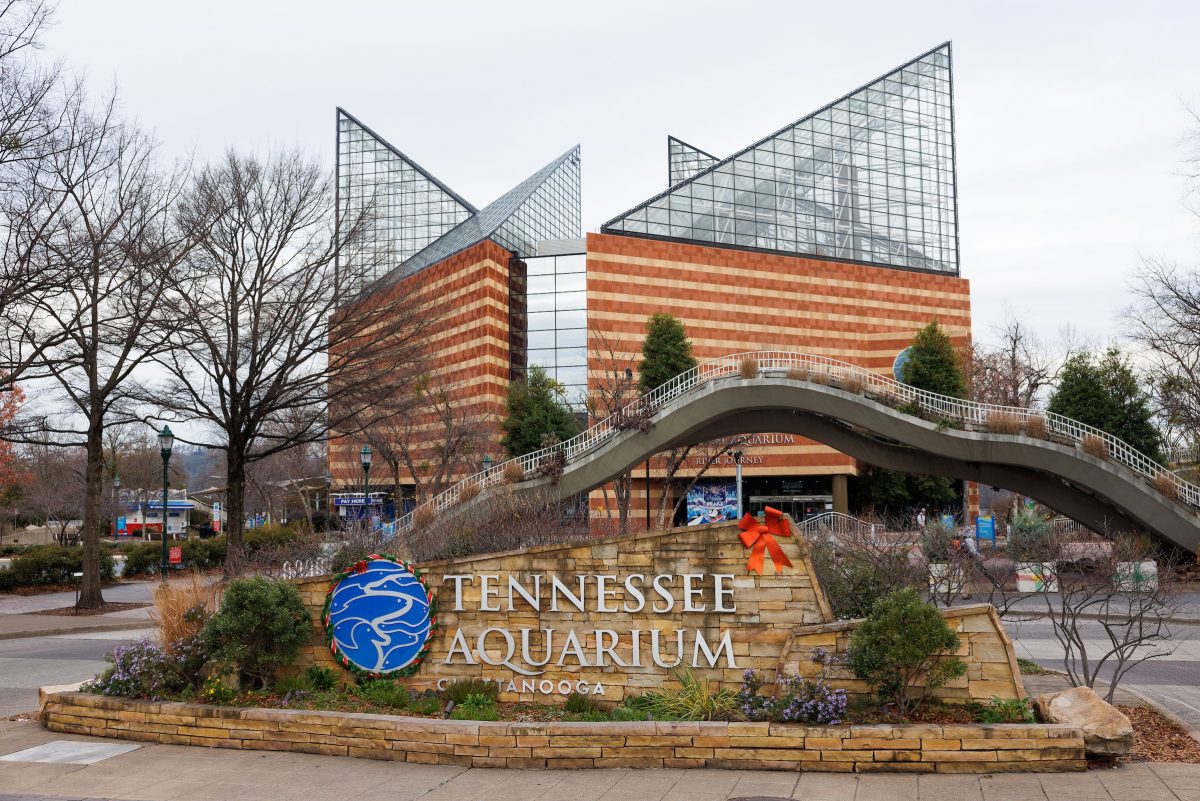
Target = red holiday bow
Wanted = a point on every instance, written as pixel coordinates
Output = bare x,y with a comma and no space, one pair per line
761,537
360,566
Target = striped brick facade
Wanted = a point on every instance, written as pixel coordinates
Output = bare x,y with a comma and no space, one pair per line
736,300
469,344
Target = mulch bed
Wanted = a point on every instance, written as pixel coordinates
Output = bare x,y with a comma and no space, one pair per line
70,611
46,589
1157,738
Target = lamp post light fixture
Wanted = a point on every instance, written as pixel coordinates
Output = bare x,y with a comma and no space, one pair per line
166,440
487,464
116,502
365,456
737,460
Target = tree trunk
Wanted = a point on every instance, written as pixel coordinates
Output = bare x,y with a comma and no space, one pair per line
624,488
235,480
90,595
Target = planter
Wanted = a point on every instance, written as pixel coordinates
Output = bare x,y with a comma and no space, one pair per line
1137,576
1036,577
945,579
921,748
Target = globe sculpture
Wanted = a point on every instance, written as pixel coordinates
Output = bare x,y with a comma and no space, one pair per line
379,616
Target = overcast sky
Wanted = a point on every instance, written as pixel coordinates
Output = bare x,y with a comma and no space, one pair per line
1071,116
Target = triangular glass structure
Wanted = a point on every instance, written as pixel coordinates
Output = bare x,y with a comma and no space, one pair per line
868,178
685,161
546,205
408,207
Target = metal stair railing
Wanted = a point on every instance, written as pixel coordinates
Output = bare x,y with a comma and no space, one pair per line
818,370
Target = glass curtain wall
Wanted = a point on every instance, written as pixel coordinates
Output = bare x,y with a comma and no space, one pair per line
556,303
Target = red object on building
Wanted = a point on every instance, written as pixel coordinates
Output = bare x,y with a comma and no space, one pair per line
175,555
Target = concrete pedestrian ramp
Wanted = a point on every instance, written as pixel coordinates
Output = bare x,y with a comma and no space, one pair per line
1109,487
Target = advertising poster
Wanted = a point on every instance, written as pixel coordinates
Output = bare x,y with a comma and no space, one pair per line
710,501
985,528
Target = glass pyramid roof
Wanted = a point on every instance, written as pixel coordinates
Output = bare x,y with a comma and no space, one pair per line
407,207
869,178
415,220
685,161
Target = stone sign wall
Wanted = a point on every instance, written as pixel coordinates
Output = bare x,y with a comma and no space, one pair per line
613,616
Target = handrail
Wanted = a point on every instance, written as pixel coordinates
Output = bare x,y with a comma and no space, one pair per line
836,522
818,370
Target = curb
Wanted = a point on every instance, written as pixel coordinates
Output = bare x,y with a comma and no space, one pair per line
1192,731
20,635
1022,615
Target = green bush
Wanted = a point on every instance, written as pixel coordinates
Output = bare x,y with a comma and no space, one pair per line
1030,538
384,692
476,707
937,541
425,704
260,627
269,536
295,683
902,642
1004,710
579,703
622,713
322,678
459,689
50,564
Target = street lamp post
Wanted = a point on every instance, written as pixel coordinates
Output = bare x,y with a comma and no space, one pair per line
487,464
365,455
165,441
737,460
116,503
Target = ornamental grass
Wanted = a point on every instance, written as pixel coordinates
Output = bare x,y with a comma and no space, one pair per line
748,368
852,384
423,515
468,492
1035,426
513,472
1094,446
798,373
181,606
1165,484
1003,423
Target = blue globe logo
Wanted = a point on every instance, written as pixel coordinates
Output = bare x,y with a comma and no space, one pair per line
379,619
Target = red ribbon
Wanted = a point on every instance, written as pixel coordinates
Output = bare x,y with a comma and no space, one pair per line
761,538
360,566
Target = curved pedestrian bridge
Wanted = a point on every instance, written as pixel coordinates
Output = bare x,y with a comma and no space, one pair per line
1082,472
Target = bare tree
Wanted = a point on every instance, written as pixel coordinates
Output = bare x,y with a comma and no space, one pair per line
106,232
1133,613
609,396
32,101
1015,371
431,438
53,491
265,355
1165,321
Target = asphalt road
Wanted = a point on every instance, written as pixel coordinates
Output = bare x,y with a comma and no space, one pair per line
1172,680
32,662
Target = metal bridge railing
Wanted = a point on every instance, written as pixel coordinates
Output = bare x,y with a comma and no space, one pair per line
818,370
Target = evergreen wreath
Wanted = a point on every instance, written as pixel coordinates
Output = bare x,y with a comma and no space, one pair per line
361,567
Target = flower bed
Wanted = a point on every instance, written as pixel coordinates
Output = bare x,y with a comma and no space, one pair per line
923,748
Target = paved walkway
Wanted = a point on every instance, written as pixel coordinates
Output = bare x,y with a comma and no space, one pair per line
181,773
17,620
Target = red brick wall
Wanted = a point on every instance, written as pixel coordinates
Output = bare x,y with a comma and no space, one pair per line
468,345
733,301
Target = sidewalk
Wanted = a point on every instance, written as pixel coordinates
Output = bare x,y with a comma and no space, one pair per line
183,773
17,620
